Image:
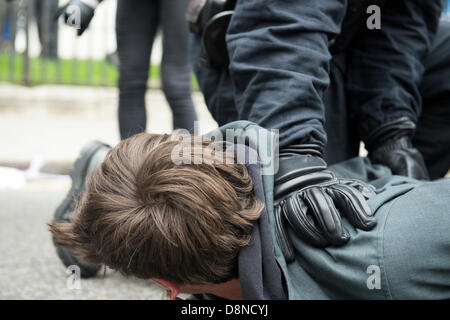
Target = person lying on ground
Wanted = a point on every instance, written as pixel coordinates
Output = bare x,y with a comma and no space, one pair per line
209,228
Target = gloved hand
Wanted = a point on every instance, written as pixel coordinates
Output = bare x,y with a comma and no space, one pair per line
311,200
391,145
86,10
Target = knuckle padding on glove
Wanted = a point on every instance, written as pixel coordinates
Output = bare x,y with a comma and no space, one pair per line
360,186
353,205
309,202
326,215
295,212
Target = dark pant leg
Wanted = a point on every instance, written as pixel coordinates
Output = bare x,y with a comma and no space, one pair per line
45,11
175,66
52,45
136,25
343,141
433,129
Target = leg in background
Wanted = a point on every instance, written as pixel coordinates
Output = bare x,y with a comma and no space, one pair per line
175,66
136,25
47,27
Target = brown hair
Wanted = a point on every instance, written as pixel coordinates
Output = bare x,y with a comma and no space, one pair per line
144,215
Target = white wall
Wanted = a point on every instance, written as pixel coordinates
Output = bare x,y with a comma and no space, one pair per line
97,41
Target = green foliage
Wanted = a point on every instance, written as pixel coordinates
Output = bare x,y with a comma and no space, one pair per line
65,71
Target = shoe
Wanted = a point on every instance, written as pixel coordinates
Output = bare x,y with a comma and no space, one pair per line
90,158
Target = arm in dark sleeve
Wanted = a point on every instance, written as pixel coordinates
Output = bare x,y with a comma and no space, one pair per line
279,64
385,66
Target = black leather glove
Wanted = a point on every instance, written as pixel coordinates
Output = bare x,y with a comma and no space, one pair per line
86,10
311,200
391,145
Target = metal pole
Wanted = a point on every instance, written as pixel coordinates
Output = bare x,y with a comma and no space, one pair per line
26,75
45,38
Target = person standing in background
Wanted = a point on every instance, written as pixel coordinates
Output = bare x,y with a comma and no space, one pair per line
137,22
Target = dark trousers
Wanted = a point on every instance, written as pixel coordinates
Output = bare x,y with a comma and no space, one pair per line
45,11
137,22
432,137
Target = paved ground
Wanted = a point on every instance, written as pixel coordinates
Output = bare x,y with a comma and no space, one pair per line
29,266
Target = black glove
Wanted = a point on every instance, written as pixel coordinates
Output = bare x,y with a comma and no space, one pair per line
70,15
311,200
391,145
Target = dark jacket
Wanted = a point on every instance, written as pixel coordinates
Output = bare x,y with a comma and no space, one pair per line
279,65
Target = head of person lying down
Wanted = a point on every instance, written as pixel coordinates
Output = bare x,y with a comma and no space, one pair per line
180,223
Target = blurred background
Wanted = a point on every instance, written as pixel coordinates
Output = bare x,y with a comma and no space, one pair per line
57,92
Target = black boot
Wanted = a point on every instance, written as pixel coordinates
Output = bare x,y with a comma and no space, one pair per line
90,158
